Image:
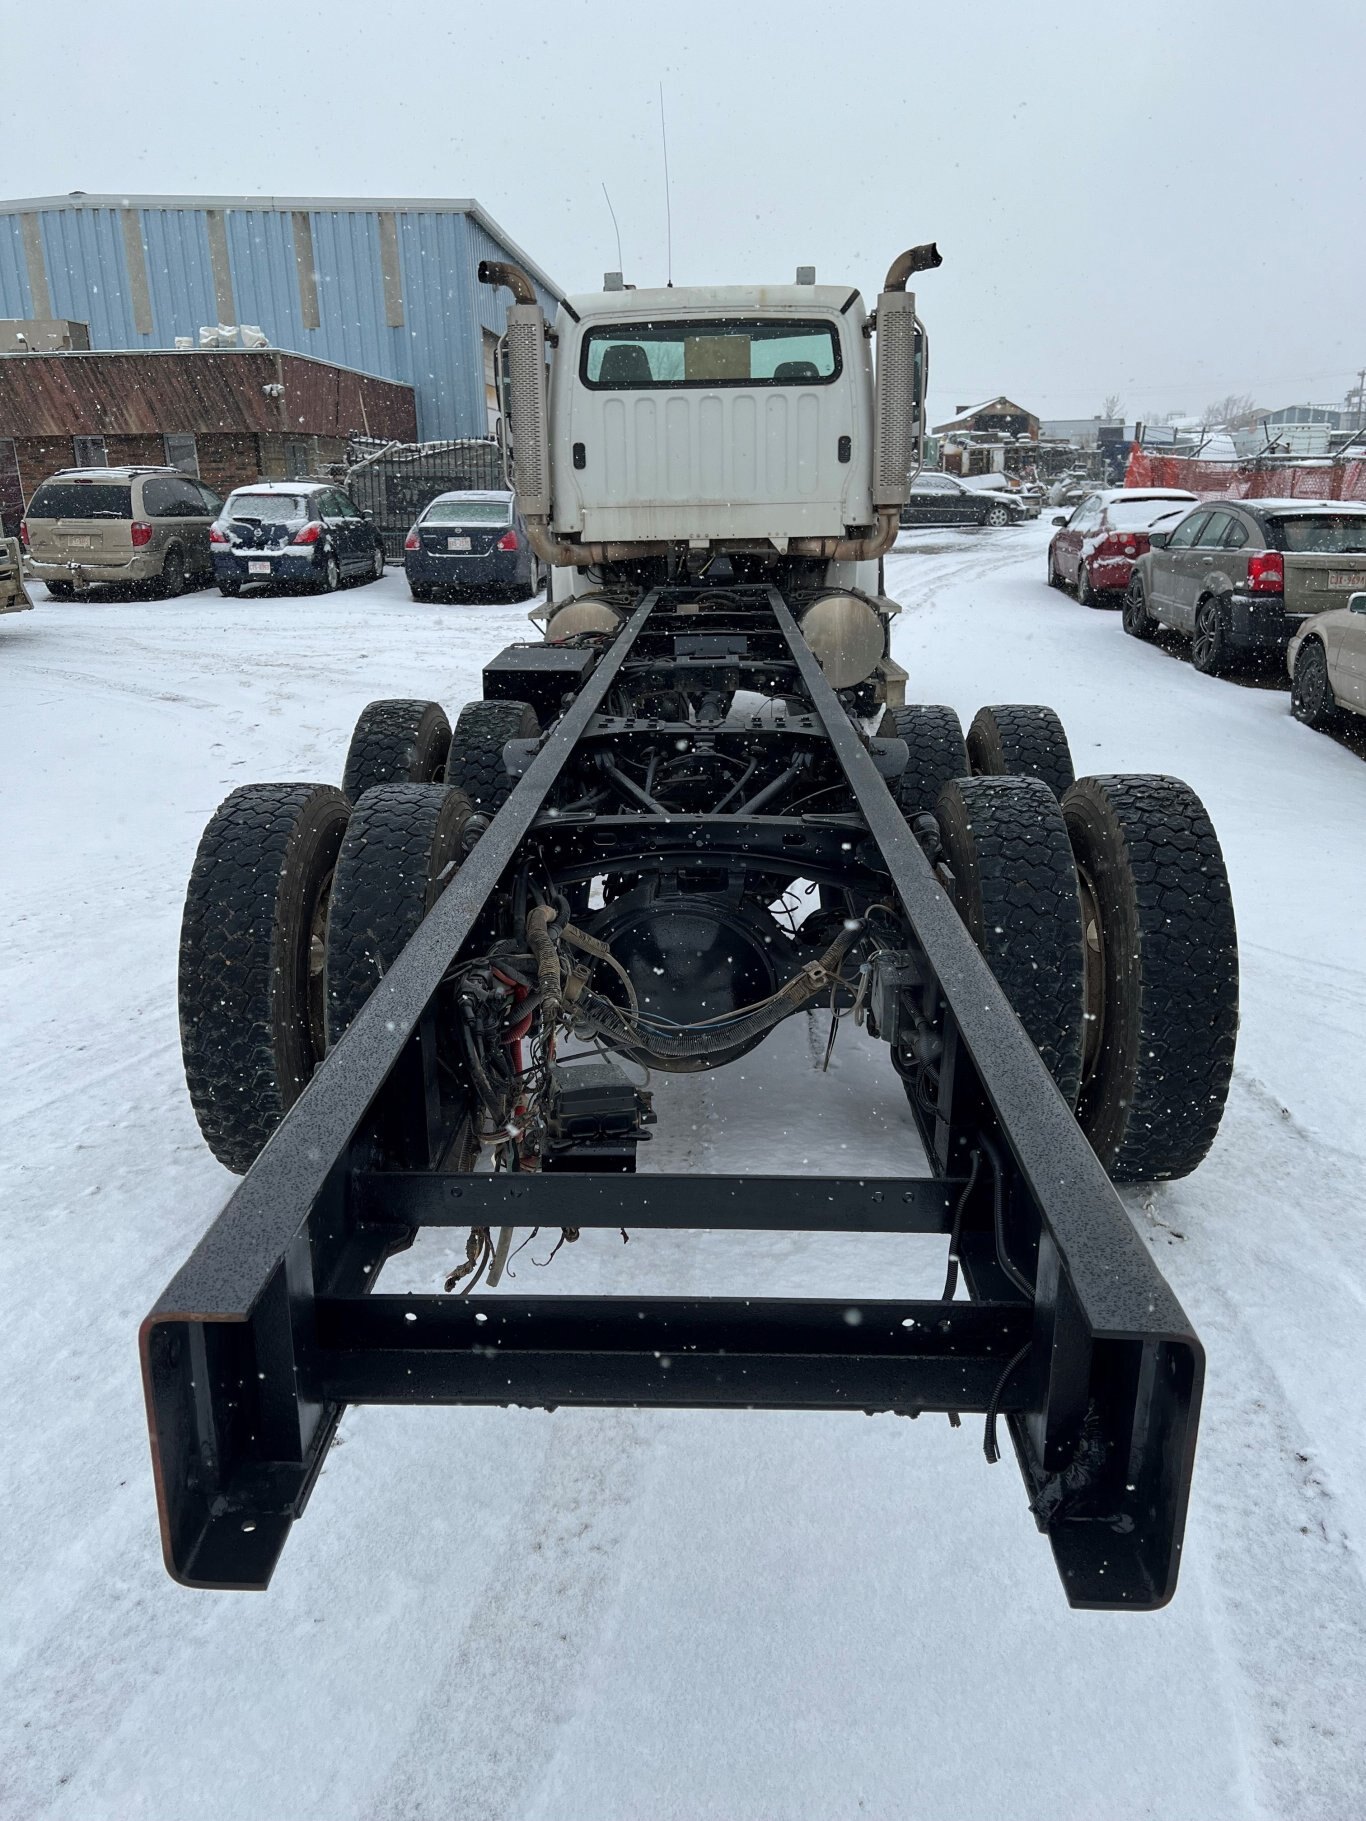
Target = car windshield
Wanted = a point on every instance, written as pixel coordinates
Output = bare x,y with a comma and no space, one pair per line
1137,515
82,499
279,508
721,352
1320,534
468,512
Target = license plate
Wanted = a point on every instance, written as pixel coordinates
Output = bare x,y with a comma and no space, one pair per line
258,568
80,543
457,543
1352,579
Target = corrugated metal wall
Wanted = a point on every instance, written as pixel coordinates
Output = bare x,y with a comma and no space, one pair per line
391,292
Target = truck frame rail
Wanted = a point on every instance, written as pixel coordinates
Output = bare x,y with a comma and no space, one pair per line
1066,1334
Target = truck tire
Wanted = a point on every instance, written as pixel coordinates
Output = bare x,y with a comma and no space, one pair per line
475,764
1162,953
251,944
1017,740
396,742
1015,886
401,850
934,741
1311,690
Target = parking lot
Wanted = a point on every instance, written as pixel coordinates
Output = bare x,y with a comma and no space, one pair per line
616,1613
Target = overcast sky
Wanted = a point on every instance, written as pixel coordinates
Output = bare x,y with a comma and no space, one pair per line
1165,203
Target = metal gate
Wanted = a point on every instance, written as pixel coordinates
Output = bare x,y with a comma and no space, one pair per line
394,482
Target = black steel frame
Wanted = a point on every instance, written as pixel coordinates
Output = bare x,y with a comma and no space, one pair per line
1069,1331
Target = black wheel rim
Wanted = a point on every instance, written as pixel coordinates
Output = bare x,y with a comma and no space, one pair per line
1205,644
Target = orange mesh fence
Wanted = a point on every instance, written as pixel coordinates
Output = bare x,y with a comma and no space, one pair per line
1336,480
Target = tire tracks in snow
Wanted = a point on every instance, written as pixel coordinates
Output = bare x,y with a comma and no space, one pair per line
480,1744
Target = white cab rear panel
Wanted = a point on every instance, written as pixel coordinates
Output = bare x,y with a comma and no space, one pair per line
701,462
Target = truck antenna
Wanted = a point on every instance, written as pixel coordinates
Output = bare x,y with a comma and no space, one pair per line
668,203
616,230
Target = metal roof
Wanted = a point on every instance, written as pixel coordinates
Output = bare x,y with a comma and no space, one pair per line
385,286
356,205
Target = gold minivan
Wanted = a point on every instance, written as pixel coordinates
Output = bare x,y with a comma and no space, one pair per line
144,527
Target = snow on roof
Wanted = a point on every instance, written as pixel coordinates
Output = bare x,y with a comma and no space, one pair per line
1294,505
1146,493
475,493
301,486
989,404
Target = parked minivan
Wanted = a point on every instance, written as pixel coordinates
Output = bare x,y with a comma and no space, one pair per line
1243,576
147,528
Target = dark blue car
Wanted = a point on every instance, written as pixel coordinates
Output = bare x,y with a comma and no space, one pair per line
470,545
300,533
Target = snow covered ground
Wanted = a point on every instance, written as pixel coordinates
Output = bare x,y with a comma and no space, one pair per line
602,1615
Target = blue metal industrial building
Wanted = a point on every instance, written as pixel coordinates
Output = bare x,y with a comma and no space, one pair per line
388,287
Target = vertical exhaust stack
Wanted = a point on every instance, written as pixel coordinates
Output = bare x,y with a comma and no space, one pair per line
897,428
527,432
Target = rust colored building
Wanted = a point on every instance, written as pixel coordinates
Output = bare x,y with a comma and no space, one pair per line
229,415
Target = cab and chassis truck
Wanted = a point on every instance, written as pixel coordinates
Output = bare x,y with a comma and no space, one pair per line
422,999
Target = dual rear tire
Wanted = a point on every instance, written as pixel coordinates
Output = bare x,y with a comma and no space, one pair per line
297,907
302,897
1103,909
1108,923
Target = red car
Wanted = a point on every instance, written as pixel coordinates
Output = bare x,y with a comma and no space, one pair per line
1094,548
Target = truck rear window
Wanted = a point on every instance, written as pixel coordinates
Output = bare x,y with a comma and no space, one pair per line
1318,534
741,351
81,499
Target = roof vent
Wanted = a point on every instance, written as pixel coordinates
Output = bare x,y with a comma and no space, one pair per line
612,281
806,275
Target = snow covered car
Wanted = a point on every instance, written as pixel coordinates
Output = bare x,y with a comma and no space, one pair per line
13,594
1243,576
1029,499
1094,548
1327,664
302,533
470,543
942,499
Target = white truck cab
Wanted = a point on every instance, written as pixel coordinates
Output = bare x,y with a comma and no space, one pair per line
710,415
648,433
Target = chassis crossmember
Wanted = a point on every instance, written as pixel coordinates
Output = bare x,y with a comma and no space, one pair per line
1066,1330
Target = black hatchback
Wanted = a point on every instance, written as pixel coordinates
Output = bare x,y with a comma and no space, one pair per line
467,545
300,533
